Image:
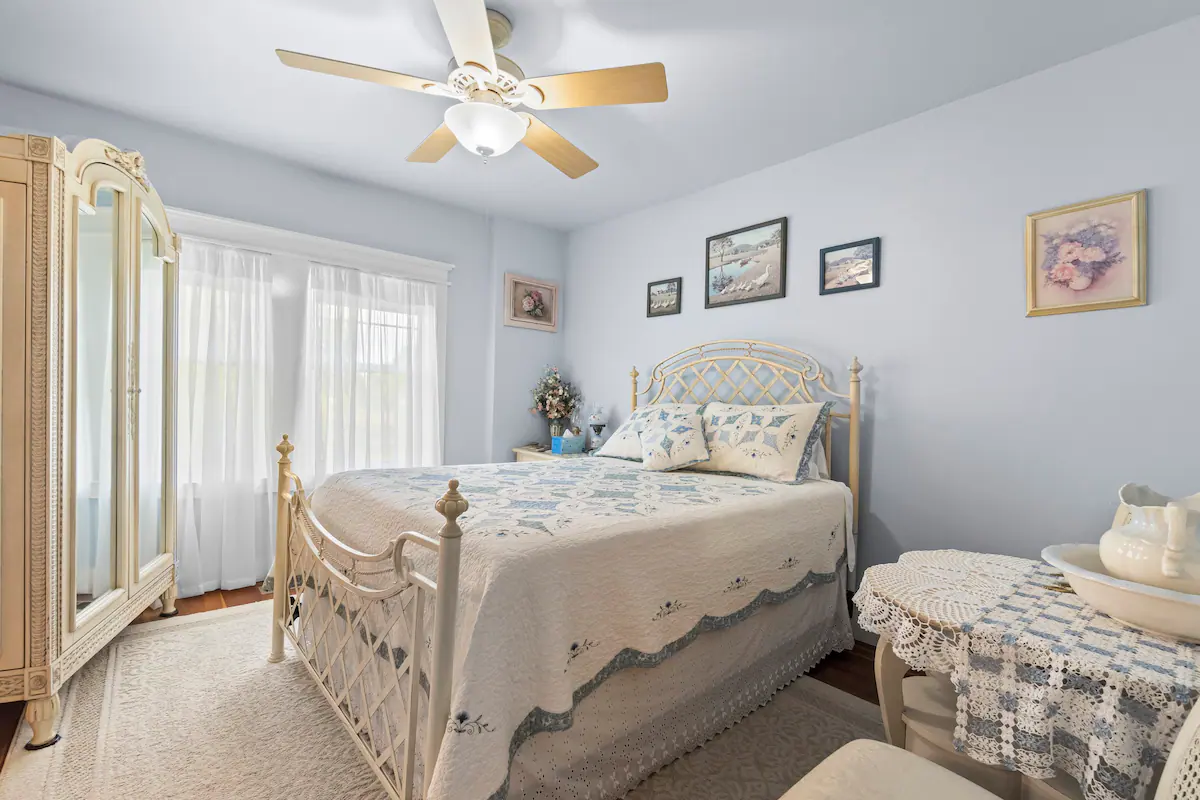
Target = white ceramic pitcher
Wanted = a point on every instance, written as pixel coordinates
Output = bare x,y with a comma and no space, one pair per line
1158,545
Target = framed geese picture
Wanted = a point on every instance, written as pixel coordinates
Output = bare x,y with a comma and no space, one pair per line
663,297
746,265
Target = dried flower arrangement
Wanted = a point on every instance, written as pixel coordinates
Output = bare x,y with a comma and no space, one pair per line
555,399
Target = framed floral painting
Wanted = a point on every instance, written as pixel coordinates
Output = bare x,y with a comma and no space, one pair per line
1086,256
530,303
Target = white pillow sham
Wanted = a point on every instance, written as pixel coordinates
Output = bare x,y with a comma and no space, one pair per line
777,443
626,442
673,443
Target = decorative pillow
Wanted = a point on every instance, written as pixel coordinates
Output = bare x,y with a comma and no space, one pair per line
626,443
674,443
772,442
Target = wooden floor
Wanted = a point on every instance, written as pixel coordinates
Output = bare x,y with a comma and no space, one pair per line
210,601
852,671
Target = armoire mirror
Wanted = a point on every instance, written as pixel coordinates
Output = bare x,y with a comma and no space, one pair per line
151,390
96,397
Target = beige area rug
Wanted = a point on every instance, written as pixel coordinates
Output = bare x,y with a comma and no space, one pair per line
190,709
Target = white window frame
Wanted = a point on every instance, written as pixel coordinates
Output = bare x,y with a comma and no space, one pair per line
285,243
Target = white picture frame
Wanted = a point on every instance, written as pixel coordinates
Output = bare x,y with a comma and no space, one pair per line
544,316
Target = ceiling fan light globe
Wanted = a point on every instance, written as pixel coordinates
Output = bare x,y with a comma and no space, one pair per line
484,128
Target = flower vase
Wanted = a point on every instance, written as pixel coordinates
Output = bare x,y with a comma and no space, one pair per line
556,428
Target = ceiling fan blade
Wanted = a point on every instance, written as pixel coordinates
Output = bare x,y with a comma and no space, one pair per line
345,69
436,145
467,28
640,83
547,143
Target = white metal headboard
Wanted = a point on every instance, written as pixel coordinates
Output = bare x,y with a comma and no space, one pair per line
749,372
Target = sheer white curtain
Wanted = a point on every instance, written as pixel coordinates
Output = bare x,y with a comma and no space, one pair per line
224,399
369,376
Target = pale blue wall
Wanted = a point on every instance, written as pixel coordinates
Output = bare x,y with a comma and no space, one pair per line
983,429
521,353
214,178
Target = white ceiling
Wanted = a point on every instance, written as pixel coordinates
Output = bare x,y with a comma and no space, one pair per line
752,82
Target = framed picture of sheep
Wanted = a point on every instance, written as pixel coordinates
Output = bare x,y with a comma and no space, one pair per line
746,265
662,297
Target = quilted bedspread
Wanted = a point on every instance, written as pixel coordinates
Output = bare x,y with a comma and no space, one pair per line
575,569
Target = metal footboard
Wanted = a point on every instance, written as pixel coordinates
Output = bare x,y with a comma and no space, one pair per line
358,622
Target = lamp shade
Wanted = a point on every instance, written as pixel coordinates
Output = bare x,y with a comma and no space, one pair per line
484,128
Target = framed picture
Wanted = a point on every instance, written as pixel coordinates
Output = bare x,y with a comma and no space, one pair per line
851,266
663,297
530,303
746,265
1087,256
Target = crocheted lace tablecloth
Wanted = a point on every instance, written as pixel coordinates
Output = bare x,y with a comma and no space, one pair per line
921,602
1045,681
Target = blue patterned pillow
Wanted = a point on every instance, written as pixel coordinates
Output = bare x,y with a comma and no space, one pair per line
673,443
772,442
626,442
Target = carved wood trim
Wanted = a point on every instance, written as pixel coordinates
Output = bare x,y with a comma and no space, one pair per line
131,161
39,328
39,148
12,686
55,492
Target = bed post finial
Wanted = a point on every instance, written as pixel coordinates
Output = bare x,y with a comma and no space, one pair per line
633,374
451,506
855,401
281,572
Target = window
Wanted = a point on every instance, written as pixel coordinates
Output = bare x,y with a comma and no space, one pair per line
369,393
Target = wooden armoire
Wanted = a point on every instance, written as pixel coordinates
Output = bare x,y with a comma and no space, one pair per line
88,344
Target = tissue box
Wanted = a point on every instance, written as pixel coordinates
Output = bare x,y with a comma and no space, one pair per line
567,445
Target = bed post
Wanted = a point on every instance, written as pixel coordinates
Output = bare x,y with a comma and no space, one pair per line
633,374
855,399
280,575
450,506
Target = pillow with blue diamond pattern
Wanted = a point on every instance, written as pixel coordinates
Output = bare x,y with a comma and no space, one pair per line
777,443
673,443
626,442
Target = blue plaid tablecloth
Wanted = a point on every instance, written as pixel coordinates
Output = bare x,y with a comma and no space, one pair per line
1045,682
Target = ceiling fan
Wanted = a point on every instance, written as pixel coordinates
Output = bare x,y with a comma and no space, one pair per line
488,86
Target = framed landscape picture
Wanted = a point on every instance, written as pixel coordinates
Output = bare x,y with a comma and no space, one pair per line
1086,256
663,297
530,303
746,265
851,266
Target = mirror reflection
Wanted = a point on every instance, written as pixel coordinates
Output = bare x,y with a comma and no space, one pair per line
151,333
96,400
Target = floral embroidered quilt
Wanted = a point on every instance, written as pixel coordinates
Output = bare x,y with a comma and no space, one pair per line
573,570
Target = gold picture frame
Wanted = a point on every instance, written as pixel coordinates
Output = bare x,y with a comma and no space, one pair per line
1078,261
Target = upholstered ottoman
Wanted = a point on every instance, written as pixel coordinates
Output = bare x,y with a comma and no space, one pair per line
867,769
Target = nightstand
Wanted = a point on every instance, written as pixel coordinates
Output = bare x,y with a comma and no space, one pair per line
530,453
